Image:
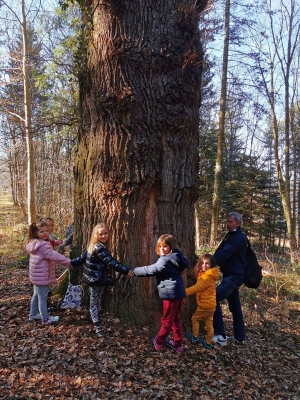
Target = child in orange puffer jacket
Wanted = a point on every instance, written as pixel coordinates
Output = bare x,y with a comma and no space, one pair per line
207,273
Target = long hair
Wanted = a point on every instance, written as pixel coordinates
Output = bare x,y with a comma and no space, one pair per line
34,228
167,239
205,256
94,236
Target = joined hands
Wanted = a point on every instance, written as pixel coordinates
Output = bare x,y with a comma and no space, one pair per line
130,274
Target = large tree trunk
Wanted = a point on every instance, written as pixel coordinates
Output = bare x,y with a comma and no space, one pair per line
137,160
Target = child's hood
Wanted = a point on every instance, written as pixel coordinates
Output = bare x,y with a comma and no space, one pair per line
178,259
34,245
213,272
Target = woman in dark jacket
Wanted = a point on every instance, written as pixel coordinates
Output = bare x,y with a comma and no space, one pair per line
97,270
171,289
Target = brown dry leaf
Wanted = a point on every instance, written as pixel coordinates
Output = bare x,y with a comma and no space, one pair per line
241,388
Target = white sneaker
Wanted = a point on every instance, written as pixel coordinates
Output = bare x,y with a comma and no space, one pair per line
220,340
35,317
50,320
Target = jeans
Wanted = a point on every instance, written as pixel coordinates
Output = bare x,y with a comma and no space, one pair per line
39,302
229,289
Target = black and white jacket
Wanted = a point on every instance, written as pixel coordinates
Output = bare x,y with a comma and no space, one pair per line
98,266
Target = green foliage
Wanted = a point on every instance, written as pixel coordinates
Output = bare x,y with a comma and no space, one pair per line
287,288
204,249
282,284
64,4
249,297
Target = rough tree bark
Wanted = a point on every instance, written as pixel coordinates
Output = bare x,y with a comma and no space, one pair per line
137,160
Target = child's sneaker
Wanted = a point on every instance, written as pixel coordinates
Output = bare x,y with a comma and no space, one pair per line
192,337
178,349
99,331
157,346
35,317
220,340
206,345
50,320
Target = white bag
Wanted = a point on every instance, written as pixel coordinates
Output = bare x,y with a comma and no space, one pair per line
72,299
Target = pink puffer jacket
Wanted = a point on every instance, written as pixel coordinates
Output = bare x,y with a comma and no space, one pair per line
42,262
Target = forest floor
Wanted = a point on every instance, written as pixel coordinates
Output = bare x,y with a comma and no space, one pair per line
67,361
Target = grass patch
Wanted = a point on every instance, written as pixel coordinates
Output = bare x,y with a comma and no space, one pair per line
13,234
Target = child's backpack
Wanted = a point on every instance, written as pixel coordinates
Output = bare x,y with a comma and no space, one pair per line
253,271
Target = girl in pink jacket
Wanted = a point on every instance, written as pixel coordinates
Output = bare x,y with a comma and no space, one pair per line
42,270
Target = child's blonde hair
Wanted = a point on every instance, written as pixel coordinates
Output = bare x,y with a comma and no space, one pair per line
94,236
34,228
205,256
167,239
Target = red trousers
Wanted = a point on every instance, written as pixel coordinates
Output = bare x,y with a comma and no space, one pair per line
171,321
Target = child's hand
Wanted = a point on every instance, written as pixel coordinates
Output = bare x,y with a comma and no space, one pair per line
71,267
61,248
130,274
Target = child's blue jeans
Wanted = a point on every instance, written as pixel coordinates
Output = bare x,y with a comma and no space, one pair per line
38,302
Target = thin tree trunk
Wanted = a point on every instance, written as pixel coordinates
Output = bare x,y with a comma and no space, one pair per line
218,181
31,207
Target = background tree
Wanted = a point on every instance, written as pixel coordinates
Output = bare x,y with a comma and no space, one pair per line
25,117
53,91
247,121
275,53
218,180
